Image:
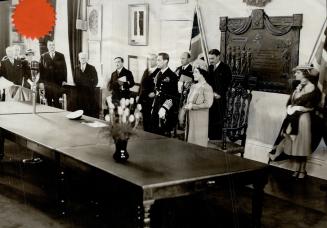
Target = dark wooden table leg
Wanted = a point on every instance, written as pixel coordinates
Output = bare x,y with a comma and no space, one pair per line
2,145
61,182
257,199
144,215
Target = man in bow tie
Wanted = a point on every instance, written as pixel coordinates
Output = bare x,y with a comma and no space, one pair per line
53,73
86,79
11,68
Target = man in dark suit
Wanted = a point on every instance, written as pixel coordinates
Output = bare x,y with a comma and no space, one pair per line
146,94
12,68
121,81
185,68
165,106
86,79
219,77
53,74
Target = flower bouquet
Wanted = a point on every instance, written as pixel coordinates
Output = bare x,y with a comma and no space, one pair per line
123,120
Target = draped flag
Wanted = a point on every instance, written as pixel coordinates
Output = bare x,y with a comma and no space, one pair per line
198,44
319,57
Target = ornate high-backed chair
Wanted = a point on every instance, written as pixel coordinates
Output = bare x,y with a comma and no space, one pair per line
235,120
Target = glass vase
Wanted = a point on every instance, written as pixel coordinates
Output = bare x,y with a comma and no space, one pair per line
121,154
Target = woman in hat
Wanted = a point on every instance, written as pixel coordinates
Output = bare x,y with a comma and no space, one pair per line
197,106
295,137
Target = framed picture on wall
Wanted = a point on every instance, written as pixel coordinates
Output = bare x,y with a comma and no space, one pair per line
168,2
138,24
94,21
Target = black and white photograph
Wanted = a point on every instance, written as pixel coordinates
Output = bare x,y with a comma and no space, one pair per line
163,113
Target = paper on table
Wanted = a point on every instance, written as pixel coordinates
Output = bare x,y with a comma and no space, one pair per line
95,124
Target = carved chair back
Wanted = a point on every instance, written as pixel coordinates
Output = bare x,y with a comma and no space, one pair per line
236,113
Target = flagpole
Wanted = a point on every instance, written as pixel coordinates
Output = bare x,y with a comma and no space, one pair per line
317,41
202,35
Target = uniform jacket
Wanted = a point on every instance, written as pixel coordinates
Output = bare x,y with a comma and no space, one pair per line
167,97
188,71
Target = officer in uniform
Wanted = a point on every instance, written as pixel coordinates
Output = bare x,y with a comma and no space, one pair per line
165,105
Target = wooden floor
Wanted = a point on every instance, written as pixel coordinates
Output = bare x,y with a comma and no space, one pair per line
27,199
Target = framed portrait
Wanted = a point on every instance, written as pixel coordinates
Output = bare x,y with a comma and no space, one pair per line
138,24
168,2
94,22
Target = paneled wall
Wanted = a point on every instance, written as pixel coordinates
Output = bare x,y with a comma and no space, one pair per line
170,27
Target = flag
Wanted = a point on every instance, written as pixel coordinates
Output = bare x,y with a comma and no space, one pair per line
319,58
198,45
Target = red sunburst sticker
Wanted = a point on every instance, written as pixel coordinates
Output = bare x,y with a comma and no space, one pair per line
34,18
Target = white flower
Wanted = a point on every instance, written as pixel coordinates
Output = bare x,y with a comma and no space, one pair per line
139,107
120,110
111,106
137,115
137,98
127,102
131,118
111,111
124,119
107,118
123,102
126,112
131,100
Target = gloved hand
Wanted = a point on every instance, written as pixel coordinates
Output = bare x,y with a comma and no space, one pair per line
162,113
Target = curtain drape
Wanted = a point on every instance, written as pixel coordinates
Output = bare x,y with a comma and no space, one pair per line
43,41
75,36
4,27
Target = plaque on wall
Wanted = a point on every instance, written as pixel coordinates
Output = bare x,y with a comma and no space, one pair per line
261,48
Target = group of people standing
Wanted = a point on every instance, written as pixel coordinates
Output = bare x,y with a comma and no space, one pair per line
193,95
52,75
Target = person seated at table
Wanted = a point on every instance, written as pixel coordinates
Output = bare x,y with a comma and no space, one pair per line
199,100
120,82
295,137
86,80
12,68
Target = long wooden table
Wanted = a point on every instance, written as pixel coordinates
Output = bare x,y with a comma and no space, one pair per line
158,167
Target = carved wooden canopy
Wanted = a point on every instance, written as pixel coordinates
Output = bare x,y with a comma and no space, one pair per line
262,47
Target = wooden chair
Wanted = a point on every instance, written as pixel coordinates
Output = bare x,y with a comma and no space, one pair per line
235,120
